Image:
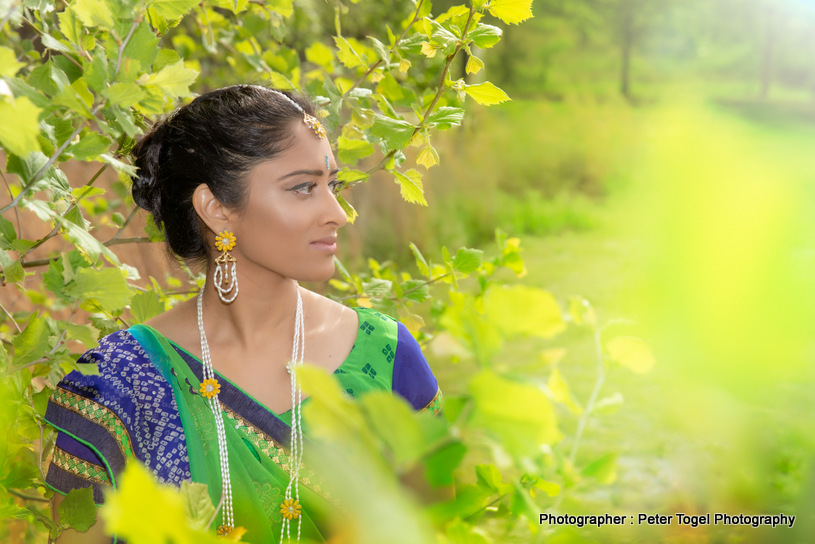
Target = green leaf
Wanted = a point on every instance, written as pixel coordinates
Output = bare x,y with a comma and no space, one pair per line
9,65
490,477
70,26
485,36
522,310
198,505
94,13
445,117
428,156
561,393
602,469
173,80
172,9
518,414
410,184
474,65
152,230
321,55
145,305
511,11
78,509
467,260
89,246
160,519
14,273
377,287
349,210
124,94
352,176
395,132
106,286
89,147
81,333
394,422
440,465
347,53
49,42
486,93
32,343
7,233
142,47
421,263
633,353
20,126
350,151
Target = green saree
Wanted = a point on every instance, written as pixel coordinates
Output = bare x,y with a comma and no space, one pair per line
258,463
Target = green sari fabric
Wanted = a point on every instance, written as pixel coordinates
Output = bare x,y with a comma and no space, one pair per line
258,459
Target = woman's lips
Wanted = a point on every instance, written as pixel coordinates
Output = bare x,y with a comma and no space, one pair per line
327,244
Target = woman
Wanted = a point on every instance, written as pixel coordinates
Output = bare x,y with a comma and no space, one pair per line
242,180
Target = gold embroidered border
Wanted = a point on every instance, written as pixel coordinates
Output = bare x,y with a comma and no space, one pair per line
80,467
97,413
435,405
274,450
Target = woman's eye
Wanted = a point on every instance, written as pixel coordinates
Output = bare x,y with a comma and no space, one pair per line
304,188
336,186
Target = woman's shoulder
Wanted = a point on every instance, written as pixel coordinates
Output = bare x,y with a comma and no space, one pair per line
117,364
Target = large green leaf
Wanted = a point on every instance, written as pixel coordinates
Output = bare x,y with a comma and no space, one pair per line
350,151
410,185
522,310
32,343
106,286
20,126
511,11
485,36
78,509
395,132
632,353
173,80
9,65
519,414
172,9
145,305
486,93
94,13
395,423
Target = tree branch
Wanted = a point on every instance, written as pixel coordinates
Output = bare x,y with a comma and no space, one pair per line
10,317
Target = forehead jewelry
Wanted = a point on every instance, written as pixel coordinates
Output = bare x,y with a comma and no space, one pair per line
327,166
290,509
311,122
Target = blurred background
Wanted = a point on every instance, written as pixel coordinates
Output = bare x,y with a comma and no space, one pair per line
657,158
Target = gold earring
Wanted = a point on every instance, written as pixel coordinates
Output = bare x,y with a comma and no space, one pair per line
226,277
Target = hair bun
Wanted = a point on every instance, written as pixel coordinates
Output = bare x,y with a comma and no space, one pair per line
146,188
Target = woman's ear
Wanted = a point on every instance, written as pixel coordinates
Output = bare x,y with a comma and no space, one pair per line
214,214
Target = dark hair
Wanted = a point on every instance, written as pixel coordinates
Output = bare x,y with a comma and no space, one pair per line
215,139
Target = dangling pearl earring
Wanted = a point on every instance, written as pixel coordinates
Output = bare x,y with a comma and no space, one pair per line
226,277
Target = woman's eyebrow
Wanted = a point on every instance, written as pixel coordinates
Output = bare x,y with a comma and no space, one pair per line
315,173
302,173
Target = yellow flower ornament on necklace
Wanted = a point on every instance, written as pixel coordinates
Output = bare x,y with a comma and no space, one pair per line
290,509
225,241
210,387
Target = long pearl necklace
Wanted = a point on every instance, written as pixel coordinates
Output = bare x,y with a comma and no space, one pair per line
210,388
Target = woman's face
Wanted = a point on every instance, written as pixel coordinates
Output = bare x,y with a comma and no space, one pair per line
291,216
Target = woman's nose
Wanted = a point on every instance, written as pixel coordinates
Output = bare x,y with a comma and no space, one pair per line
333,211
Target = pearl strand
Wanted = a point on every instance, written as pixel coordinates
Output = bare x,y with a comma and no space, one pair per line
296,446
215,405
231,278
